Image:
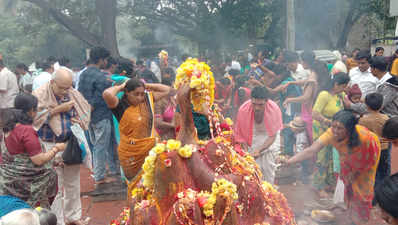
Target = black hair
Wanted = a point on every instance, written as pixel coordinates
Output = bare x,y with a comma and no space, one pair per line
45,66
98,53
47,217
149,76
23,104
225,81
51,59
240,81
390,130
1,63
386,195
290,57
133,84
111,61
379,62
64,61
22,66
125,65
374,101
363,54
281,70
338,78
379,49
308,57
234,72
168,81
260,92
349,120
356,50
140,62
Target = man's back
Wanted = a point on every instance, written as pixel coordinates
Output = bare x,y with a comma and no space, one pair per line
8,88
92,84
375,121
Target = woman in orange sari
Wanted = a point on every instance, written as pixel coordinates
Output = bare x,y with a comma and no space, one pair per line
359,151
135,113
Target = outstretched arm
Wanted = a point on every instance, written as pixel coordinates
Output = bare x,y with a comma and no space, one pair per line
307,153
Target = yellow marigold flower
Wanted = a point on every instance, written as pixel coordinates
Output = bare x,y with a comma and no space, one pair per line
159,148
229,121
185,151
195,82
173,144
267,186
208,212
136,192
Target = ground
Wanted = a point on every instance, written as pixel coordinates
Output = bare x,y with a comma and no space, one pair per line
299,197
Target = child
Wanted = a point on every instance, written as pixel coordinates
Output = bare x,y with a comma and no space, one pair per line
298,126
353,100
375,121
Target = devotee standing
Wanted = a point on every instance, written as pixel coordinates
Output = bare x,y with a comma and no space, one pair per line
291,59
59,106
8,87
390,132
351,62
359,151
387,86
257,127
361,74
44,77
92,84
135,113
374,121
25,78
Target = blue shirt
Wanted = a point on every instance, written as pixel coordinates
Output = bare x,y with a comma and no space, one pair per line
92,84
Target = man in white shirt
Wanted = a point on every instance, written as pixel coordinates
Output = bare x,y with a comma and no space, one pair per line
362,75
44,77
8,87
297,71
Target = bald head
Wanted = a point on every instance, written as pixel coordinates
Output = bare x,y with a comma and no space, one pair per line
62,81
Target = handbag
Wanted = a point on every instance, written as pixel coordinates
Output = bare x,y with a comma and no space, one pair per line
72,154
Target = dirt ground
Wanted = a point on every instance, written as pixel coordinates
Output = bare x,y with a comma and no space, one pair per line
300,197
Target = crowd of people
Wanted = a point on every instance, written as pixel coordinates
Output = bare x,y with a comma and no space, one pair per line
337,119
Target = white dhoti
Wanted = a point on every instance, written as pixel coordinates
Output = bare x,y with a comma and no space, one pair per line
266,160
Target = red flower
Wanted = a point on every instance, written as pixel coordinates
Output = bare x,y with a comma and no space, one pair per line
167,162
202,201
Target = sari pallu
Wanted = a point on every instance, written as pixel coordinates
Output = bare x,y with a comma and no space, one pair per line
358,171
137,136
19,177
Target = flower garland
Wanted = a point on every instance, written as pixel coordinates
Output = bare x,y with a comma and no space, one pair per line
206,200
149,165
200,79
124,218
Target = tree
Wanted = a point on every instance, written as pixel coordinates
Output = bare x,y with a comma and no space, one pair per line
213,25
73,15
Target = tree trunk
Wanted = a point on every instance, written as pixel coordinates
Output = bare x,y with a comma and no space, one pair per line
290,26
107,11
348,24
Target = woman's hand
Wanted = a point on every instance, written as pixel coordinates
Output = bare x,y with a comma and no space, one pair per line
286,102
60,147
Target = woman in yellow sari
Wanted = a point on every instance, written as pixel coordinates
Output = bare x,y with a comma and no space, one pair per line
328,103
135,113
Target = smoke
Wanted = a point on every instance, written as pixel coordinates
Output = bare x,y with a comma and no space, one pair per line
127,43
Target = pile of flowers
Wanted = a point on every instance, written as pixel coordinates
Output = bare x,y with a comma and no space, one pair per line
124,218
200,78
206,200
149,165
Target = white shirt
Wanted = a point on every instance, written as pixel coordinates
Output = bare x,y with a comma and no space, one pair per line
43,78
77,77
365,80
8,87
385,78
301,73
302,141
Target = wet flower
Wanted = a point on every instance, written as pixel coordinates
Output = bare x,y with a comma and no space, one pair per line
167,162
173,145
185,152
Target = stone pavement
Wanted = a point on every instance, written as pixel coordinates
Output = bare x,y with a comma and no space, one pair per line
299,197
